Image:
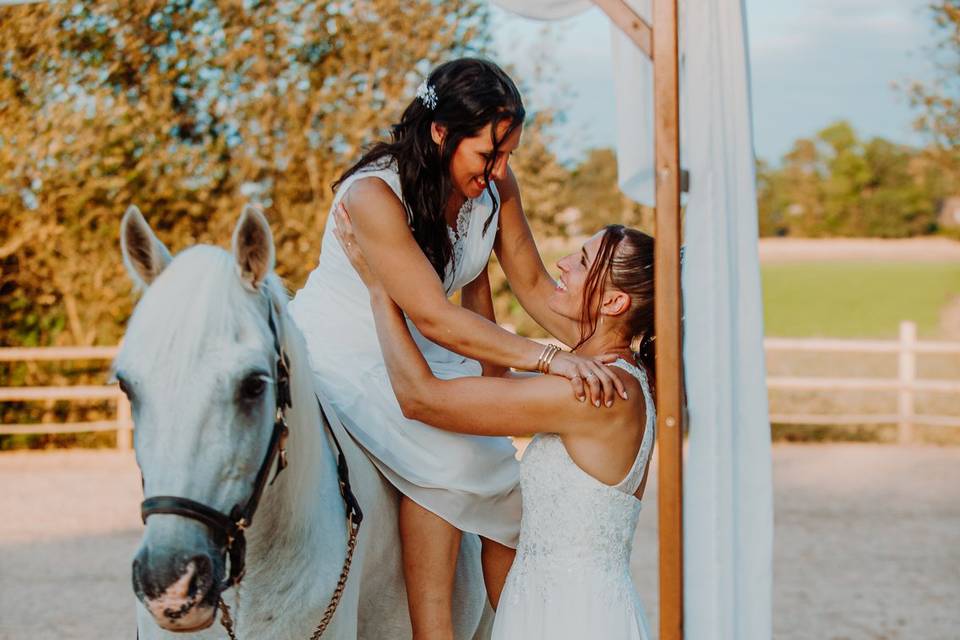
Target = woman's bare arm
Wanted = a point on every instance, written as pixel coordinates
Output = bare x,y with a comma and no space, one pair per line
481,405
523,266
379,225
477,296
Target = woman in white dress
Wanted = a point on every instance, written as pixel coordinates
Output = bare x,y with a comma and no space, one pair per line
428,208
584,472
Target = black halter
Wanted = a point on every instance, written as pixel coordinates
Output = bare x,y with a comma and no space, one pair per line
229,529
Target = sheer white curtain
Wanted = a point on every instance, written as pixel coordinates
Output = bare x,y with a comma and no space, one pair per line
728,505
633,82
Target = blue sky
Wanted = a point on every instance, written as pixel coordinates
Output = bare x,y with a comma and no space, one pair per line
812,63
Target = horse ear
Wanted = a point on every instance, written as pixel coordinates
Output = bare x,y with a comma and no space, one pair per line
144,256
253,247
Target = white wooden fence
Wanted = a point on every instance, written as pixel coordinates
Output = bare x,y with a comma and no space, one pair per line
905,385
122,424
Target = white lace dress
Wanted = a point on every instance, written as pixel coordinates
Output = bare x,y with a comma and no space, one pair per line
571,577
470,481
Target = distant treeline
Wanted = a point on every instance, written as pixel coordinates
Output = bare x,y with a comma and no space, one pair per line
837,184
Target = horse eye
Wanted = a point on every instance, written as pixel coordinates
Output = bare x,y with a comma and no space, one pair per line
252,387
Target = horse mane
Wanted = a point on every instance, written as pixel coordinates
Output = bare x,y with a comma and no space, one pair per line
198,298
198,304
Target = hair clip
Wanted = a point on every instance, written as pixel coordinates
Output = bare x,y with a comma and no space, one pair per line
427,95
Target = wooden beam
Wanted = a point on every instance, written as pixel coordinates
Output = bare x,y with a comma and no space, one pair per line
630,23
669,337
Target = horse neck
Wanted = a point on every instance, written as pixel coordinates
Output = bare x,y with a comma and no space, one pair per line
302,511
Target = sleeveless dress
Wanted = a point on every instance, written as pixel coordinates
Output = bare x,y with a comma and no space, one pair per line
471,482
571,576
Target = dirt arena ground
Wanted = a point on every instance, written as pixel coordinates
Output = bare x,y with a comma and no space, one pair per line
867,544
930,249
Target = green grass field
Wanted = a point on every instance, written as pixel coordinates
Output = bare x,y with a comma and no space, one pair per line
856,299
831,299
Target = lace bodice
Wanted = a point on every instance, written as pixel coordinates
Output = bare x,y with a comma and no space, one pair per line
458,236
572,522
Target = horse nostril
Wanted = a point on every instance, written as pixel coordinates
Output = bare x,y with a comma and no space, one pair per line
201,580
137,581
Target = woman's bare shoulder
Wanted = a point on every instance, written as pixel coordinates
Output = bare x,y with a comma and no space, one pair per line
370,191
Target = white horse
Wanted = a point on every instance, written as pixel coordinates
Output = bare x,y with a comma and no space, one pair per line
198,362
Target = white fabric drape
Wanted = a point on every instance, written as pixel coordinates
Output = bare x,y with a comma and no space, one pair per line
545,9
633,82
633,85
728,504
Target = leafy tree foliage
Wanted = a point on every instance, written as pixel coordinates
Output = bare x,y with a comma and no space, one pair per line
188,108
836,184
939,102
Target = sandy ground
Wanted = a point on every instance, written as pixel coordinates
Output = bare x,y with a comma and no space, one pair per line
932,249
867,544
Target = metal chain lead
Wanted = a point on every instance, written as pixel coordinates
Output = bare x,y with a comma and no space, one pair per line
341,582
226,620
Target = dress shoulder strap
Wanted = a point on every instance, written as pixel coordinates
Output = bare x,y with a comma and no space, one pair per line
385,169
634,477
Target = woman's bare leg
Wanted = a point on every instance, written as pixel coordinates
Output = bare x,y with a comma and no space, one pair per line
497,559
430,547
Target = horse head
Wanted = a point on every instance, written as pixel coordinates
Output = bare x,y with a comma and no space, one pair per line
201,365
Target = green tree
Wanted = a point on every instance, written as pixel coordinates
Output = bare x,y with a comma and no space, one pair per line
938,102
595,194
188,108
836,184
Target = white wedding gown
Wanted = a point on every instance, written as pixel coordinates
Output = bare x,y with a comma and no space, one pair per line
571,576
470,481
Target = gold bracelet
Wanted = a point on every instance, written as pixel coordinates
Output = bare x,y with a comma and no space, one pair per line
543,355
543,363
546,363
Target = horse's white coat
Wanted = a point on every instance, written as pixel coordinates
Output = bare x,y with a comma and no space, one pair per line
201,324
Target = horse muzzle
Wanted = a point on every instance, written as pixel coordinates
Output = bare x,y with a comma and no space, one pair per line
179,589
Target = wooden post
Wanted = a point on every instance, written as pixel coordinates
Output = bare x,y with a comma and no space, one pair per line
124,423
907,370
668,343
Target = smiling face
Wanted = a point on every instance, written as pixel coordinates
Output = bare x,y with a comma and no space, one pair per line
567,297
470,160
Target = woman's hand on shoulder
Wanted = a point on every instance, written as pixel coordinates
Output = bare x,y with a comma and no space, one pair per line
590,375
345,236
568,416
380,235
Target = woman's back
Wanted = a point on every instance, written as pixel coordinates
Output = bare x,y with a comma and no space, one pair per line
576,537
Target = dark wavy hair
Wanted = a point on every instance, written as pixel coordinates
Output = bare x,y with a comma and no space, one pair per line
626,261
471,94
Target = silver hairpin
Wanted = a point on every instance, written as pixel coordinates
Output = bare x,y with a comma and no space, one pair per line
427,95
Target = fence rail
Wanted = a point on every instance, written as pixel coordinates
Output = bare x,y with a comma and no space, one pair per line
906,385
122,423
